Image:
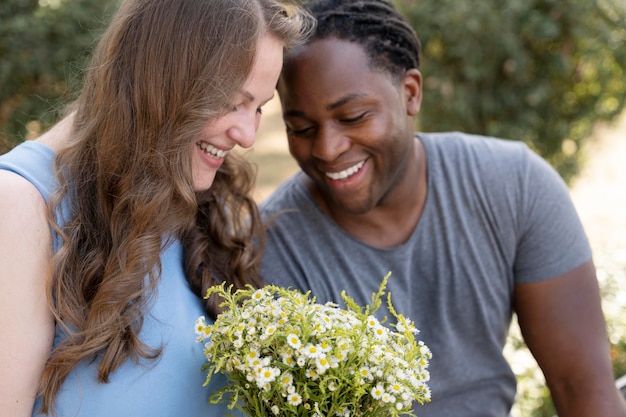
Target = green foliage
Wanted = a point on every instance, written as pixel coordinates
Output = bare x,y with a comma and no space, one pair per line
541,71
44,45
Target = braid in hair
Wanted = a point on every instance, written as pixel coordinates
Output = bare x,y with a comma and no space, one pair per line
388,39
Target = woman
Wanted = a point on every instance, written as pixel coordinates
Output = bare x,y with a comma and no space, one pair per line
147,206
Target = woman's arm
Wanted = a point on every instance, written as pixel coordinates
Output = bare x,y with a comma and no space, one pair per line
26,323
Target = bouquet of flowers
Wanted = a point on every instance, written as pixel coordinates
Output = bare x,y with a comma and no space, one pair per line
285,355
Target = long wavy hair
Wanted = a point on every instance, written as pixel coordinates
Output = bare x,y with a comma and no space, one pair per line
162,70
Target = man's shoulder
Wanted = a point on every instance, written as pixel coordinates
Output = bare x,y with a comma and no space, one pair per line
468,141
458,150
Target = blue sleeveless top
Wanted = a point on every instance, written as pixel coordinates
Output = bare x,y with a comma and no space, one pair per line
169,386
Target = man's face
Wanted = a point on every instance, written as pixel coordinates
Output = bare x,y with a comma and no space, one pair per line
350,128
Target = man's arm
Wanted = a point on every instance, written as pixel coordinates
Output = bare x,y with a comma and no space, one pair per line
563,325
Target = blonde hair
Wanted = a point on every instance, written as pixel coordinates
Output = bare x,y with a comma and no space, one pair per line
162,70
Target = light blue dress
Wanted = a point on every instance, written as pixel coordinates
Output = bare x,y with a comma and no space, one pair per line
170,386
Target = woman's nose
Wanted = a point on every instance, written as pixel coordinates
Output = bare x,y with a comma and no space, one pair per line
244,129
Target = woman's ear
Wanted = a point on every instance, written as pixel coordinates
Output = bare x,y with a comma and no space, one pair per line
412,84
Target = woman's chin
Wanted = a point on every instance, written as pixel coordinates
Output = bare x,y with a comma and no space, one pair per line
203,183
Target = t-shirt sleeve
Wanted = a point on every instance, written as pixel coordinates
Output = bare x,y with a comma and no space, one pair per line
551,239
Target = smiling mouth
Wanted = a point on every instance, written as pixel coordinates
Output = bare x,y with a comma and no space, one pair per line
211,150
342,175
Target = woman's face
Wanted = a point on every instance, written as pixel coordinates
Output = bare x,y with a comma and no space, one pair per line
239,126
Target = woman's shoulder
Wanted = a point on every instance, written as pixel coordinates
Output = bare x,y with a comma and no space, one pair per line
26,179
28,166
21,200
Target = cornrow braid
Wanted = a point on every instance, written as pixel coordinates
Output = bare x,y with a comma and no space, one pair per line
388,39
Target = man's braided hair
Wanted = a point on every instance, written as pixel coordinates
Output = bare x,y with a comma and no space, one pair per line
389,41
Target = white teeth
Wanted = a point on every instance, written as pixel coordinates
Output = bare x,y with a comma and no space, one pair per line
212,150
346,172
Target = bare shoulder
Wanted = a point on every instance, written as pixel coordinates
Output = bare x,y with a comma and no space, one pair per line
22,207
16,190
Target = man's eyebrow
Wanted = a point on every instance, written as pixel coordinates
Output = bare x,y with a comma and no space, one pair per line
344,100
331,106
294,113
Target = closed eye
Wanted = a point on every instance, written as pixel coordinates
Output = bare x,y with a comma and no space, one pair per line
353,119
299,131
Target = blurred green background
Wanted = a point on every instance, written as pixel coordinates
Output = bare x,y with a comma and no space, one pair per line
545,72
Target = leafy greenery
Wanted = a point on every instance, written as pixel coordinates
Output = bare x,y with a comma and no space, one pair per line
541,71
44,45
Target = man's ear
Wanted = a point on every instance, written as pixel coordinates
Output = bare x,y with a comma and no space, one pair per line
412,85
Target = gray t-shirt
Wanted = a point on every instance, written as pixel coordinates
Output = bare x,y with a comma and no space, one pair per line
496,214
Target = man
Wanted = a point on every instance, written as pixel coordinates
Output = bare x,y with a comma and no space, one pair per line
472,228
